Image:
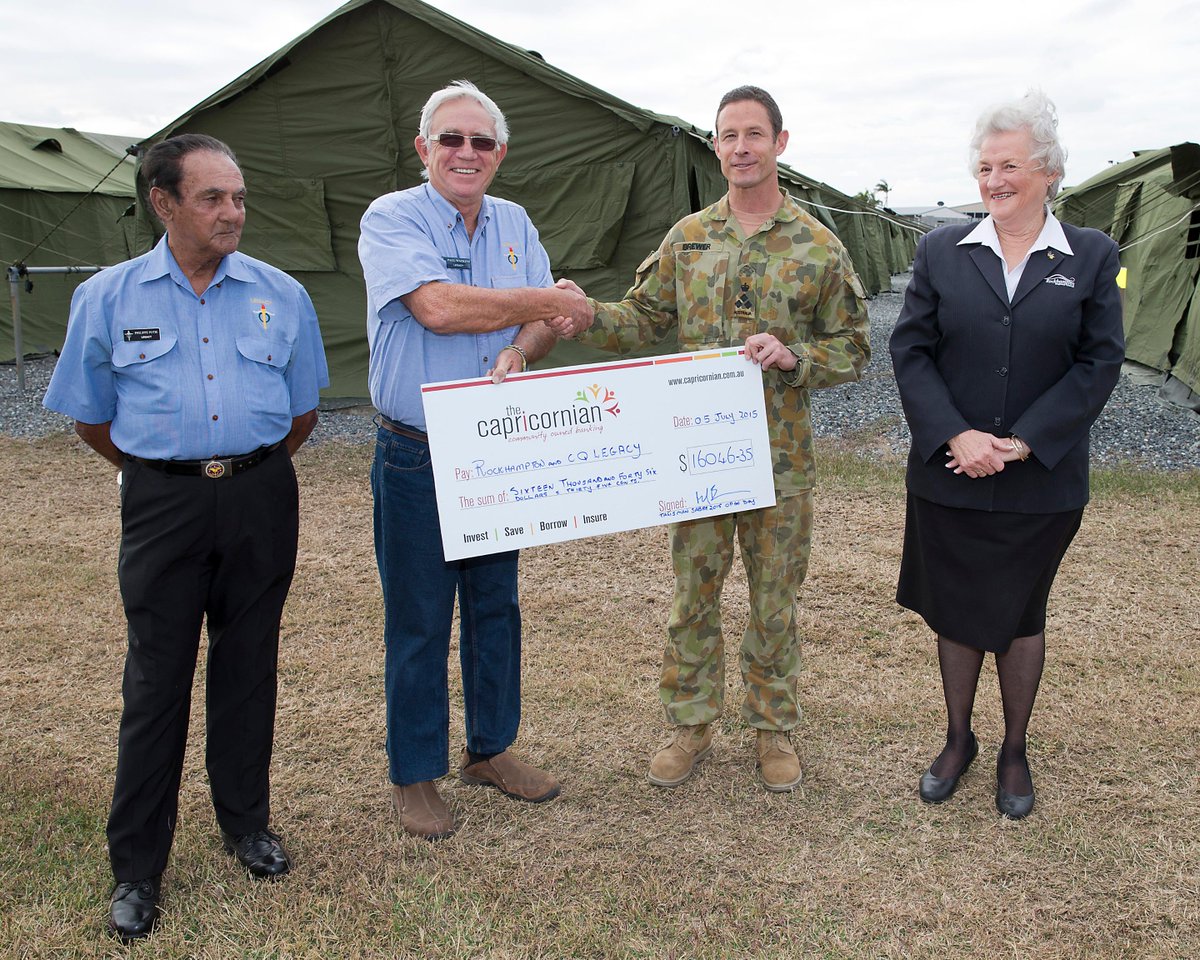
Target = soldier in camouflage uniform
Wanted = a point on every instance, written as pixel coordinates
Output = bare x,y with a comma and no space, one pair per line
751,269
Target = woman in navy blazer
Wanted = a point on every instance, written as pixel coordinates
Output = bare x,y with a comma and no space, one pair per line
1007,348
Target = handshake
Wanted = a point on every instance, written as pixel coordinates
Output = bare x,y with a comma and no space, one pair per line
577,313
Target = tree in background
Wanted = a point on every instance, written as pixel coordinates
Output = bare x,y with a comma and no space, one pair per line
885,188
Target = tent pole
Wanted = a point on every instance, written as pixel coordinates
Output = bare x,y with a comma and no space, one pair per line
14,289
14,292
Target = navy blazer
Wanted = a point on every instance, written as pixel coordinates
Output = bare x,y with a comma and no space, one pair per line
1041,367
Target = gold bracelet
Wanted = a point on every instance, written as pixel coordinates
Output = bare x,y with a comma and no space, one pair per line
520,353
1020,447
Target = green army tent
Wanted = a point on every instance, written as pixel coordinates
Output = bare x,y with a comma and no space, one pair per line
1151,206
49,217
326,124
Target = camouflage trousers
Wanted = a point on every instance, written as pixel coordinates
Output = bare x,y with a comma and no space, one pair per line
775,545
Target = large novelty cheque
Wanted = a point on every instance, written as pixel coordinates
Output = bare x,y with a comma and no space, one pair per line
561,454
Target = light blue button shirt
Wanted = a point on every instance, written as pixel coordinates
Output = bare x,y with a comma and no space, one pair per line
185,377
414,237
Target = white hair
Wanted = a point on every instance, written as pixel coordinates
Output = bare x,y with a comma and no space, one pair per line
1035,114
455,91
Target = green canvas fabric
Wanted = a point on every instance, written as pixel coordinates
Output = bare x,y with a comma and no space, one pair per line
334,113
1147,205
46,174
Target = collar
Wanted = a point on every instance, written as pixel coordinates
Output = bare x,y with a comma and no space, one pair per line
788,210
450,214
1052,235
161,262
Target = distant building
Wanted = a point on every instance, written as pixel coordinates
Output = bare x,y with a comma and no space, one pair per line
937,215
976,210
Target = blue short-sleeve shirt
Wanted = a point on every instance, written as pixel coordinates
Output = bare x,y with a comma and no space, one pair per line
184,377
414,237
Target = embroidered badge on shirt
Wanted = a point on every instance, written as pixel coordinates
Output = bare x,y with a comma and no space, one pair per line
1060,281
512,256
743,306
261,313
138,334
695,246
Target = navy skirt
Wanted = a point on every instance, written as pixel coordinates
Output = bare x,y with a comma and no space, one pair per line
980,577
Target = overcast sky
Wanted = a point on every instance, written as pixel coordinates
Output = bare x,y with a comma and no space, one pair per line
870,89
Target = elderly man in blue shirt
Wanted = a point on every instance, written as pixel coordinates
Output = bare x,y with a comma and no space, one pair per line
458,286
195,370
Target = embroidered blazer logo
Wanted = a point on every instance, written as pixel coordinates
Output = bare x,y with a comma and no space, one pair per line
1060,281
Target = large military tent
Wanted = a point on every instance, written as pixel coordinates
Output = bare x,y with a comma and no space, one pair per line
325,125
63,199
1151,206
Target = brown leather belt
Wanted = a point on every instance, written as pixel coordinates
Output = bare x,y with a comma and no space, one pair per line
401,430
215,468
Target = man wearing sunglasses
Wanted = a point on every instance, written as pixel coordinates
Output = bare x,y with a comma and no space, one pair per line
458,286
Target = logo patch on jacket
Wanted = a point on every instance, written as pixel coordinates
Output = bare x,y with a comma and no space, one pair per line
1060,281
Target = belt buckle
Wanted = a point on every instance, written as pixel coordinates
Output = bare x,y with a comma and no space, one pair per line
216,469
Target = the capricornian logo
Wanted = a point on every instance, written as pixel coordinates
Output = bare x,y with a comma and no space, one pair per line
588,407
1060,281
593,393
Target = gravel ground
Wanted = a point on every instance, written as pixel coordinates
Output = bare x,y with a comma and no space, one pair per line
1136,427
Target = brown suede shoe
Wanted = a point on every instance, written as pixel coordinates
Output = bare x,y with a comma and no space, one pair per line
422,811
778,764
510,776
675,762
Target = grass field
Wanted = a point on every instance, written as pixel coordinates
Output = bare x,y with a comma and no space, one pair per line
851,865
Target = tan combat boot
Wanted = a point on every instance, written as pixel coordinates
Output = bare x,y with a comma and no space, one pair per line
778,764
675,762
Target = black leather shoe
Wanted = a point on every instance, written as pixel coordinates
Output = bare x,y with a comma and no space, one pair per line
133,909
936,789
1009,804
260,852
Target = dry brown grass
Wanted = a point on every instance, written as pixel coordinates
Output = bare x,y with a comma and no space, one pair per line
852,865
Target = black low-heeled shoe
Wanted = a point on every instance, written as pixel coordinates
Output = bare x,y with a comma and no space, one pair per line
935,789
133,909
1009,804
262,853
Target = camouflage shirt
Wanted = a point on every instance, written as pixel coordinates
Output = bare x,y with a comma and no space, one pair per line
792,278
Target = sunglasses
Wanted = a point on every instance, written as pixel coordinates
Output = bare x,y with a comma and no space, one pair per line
456,140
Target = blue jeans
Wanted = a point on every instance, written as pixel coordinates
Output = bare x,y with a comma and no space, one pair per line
419,588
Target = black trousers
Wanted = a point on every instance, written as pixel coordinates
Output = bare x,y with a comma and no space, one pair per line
192,548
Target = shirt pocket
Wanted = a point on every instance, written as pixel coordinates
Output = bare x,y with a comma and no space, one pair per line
700,290
788,295
509,280
147,375
264,375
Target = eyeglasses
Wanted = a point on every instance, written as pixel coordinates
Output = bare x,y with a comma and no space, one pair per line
456,140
